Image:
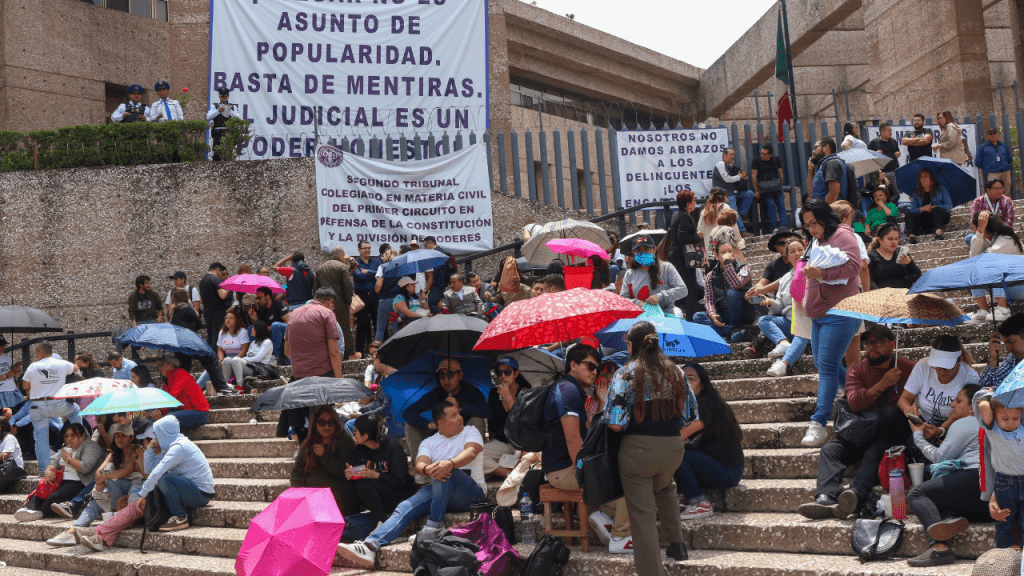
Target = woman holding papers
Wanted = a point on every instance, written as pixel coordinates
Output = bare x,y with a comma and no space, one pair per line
832,270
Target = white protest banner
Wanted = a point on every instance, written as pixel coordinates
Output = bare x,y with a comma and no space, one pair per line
656,165
969,131
370,69
379,201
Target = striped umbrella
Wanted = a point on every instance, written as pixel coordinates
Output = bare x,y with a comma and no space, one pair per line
864,161
536,250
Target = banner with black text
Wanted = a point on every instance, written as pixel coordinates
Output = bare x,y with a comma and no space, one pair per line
900,132
448,197
658,164
371,68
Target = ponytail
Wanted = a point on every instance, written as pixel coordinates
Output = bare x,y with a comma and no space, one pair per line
373,426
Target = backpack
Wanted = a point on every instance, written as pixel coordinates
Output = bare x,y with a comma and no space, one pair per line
851,193
548,558
154,516
526,426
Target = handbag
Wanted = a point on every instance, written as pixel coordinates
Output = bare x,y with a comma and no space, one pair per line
876,538
773,186
693,255
597,466
46,488
357,304
857,428
496,555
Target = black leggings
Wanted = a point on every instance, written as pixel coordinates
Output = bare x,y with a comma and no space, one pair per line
927,222
953,494
68,490
379,499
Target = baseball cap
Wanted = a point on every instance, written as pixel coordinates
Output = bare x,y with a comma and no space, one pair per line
507,361
643,241
880,330
223,92
176,275
125,429
414,243
405,281
172,361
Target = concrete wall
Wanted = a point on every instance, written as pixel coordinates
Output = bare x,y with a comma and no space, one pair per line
73,241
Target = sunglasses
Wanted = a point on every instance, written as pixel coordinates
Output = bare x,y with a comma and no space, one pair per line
504,372
591,366
448,374
326,423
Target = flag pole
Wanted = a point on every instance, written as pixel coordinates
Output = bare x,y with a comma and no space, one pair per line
789,58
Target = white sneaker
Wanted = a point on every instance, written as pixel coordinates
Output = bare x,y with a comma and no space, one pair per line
64,539
1001,314
93,542
621,545
816,435
602,526
778,368
357,555
780,350
978,317
26,515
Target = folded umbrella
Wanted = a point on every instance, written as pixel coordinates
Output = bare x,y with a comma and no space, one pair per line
406,386
451,332
23,319
555,318
131,400
249,283
536,250
864,161
962,186
297,534
92,387
896,306
678,337
309,392
166,337
412,262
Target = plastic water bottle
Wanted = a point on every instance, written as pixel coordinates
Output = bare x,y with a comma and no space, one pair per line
899,498
526,519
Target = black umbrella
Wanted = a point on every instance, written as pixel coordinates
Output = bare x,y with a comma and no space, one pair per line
309,392
451,332
24,319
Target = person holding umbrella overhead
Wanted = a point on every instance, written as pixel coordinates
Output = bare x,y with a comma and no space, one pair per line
181,385
994,237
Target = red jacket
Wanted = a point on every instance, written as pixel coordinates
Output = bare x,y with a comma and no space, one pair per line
182,386
862,376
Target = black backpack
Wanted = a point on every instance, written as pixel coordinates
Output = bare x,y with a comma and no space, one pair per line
548,558
525,426
154,516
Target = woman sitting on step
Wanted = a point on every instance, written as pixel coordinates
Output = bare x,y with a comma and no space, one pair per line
79,459
120,473
322,458
10,450
777,324
996,237
380,476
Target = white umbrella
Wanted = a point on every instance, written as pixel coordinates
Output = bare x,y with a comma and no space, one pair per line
93,387
536,250
863,161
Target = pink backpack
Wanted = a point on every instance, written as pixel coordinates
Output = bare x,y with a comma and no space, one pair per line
497,557
798,286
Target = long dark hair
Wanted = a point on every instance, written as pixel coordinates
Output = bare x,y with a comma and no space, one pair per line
314,438
721,421
261,332
373,426
936,187
602,272
655,372
848,129
825,216
997,227
145,377
116,454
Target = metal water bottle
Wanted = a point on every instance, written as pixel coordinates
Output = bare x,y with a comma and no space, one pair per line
526,520
896,492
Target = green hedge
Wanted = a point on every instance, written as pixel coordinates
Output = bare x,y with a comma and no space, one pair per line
104,145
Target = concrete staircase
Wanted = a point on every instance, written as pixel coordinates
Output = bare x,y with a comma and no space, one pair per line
756,531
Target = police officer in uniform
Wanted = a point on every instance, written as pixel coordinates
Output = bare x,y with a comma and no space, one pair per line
165,109
219,114
133,110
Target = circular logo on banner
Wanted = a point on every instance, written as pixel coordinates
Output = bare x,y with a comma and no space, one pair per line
330,156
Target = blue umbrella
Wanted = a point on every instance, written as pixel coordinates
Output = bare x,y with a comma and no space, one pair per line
414,261
962,186
1011,391
984,271
406,386
166,337
678,337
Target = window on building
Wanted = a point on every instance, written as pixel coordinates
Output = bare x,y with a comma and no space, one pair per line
121,5
557,102
115,95
156,9
160,10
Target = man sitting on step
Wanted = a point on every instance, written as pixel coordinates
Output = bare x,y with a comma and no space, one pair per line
873,384
1011,331
452,460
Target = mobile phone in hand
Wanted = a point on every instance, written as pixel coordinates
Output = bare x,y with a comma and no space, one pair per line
915,419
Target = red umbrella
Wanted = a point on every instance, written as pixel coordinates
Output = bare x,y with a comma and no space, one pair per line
555,317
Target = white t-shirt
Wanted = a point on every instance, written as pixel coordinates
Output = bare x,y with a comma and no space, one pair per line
69,472
936,400
46,376
438,448
192,292
863,248
6,363
232,345
369,374
11,445
260,354
853,142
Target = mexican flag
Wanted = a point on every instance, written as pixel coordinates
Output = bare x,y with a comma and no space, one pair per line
783,106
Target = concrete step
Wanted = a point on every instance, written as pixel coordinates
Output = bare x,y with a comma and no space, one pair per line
232,514
775,434
121,561
781,463
228,489
233,431
262,468
241,416
773,411
247,448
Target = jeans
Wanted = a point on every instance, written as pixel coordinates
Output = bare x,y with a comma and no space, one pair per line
77,500
776,210
41,412
190,418
744,198
277,336
953,494
776,328
436,293
830,337
1010,495
116,489
358,526
180,493
365,319
738,312
384,308
796,349
699,471
1014,293
457,494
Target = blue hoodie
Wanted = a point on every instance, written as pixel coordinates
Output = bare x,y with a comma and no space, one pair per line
178,456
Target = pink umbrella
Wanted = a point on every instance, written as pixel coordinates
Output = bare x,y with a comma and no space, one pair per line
576,247
297,534
248,283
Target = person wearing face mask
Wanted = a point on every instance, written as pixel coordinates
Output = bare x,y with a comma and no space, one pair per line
472,405
649,281
725,307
